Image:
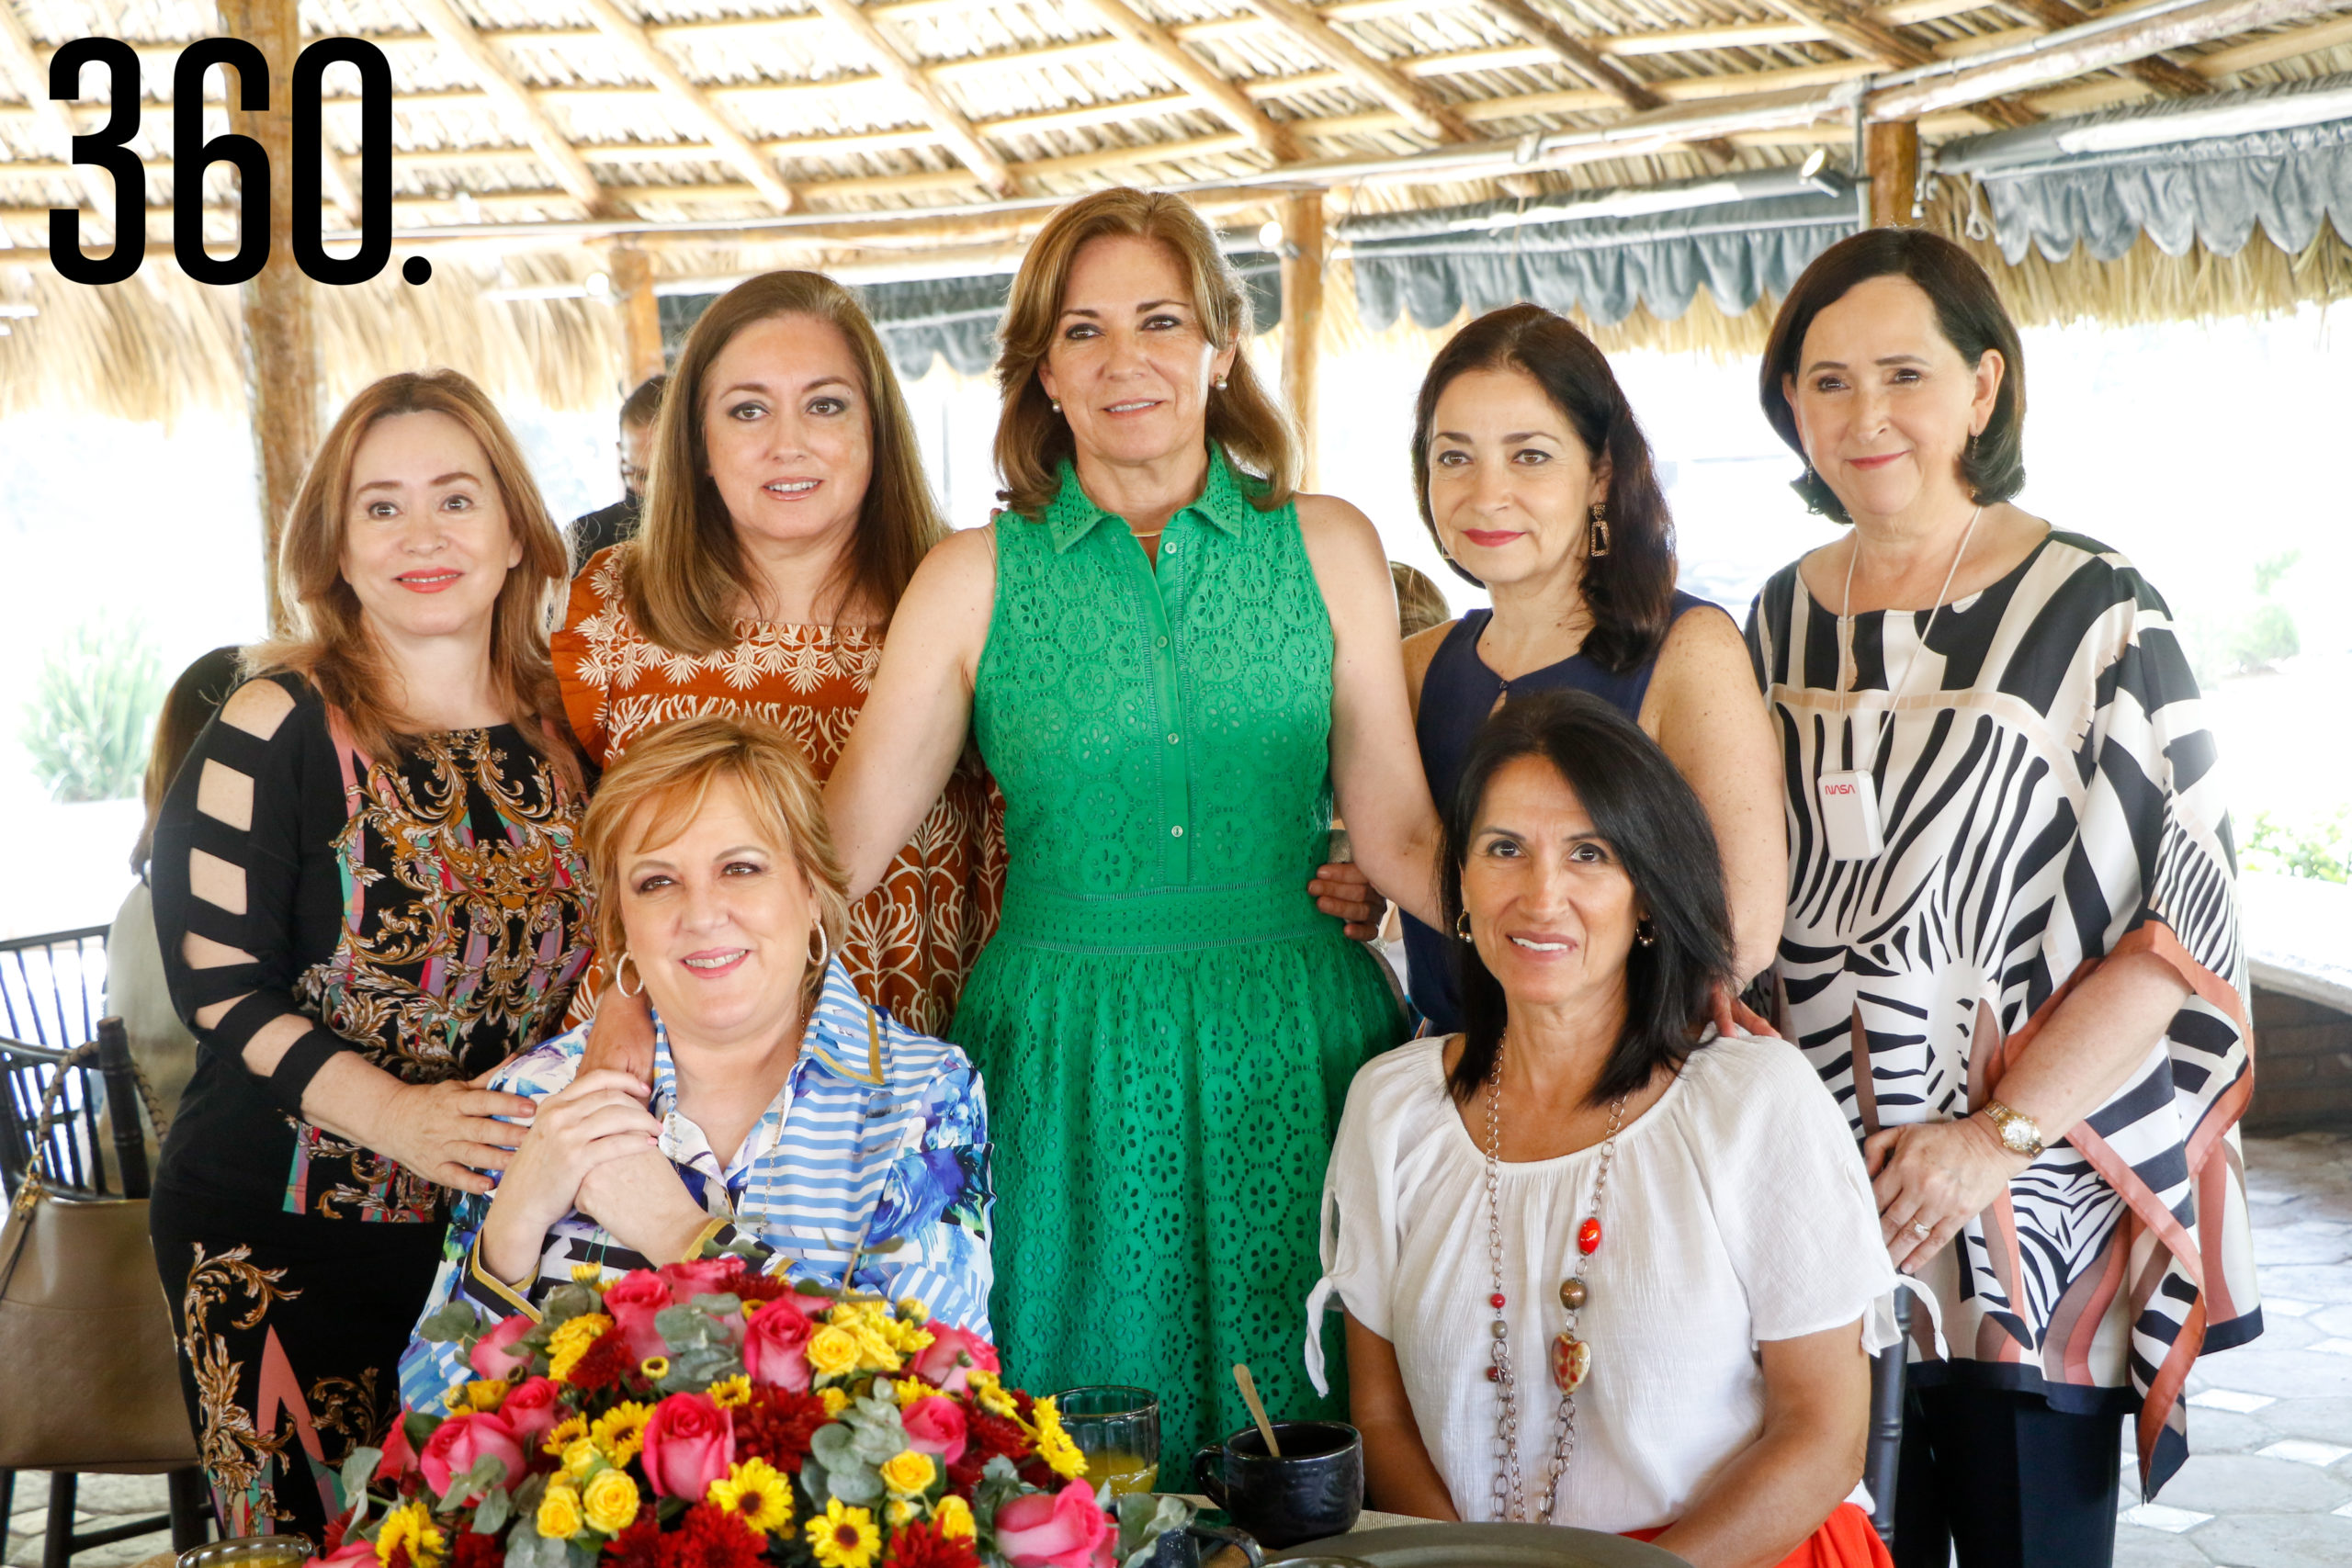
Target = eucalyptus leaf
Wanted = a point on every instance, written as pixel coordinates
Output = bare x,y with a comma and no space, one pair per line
359,1469
833,1444
577,1553
567,1302
724,1307
495,1506
451,1322
418,1426
858,1485
526,1547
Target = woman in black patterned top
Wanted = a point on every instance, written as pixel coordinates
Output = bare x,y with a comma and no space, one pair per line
368,896
2011,947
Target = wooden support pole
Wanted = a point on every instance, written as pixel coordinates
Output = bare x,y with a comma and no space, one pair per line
281,339
632,276
1302,274
1891,156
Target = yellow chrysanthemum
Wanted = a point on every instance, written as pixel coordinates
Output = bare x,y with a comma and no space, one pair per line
579,1456
832,1351
875,1353
570,1341
610,1501
589,1274
728,1392
486,1393
913,1311
558,1517
411,1525
990,1395
620,1431
909,1389
1054,1445
909,1473
911,1339
836,1400
563,1434
756,1493
953,1518
844,1538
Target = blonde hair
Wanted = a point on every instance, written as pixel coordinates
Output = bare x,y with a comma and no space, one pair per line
665,779
328,644
683,581
1420,604
1033,441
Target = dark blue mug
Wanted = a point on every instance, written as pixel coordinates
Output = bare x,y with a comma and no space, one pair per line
1315,1489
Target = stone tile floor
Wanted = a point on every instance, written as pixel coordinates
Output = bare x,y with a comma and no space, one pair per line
2268,1483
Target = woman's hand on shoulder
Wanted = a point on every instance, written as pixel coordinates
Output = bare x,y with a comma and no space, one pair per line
621,1036
447,1132
597,1118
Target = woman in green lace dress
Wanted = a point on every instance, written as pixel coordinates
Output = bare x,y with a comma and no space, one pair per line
1170,664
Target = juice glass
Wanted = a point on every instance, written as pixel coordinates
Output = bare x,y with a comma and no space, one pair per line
1117,1428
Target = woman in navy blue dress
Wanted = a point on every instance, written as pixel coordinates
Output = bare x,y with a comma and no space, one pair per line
1534,479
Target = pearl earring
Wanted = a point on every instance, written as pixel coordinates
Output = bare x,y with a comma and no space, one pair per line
1057,403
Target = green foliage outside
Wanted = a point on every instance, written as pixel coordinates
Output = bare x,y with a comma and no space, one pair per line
2319,847
2255,639
92,717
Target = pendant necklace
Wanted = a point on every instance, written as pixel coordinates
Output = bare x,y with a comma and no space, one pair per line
1571,1356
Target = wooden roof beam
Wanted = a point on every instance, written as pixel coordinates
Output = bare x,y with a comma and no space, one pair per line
1870,38
1216,94
2172,79
443,21
1429,114
1582,59
954,129
629,37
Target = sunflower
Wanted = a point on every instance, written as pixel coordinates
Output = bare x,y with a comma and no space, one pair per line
728,1392
620,1431
756,1493
844,1538
411,1525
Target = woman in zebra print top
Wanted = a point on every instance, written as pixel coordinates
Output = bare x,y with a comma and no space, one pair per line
2024,979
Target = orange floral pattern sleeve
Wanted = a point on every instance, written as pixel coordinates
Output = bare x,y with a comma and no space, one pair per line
913,938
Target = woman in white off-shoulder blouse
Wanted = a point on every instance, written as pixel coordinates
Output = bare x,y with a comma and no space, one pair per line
1733,1280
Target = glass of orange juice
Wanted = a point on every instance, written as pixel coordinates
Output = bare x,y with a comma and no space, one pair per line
1117,1428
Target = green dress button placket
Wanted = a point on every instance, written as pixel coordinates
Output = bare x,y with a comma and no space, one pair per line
1160,587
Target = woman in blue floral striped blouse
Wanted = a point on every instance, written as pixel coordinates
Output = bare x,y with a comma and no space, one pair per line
786,1119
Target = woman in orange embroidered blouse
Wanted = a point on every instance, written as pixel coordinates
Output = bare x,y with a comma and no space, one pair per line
785,511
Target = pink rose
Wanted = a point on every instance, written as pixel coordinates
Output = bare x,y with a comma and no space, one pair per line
494,1354
351,1554
689,1443
936,1426
461,1442
635,1320
1058,1529
399,1458
704,1276
775,1346
952,1353
531,1409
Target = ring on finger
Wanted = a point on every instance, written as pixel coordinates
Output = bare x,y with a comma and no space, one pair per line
1922,1229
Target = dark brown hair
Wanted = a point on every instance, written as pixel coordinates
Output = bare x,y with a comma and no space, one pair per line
329,645
1033,441
1969,314
684,580
642,404
194,698
1643,808
1630,591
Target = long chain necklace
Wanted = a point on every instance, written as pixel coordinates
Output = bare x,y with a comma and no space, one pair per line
1571,1356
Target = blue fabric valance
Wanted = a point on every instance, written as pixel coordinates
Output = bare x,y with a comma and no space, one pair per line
1432,264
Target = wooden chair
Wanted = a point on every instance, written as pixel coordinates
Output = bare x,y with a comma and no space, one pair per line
71,1167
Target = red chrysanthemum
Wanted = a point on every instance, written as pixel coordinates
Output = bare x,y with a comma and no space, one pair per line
397,1557
333,1533
475,1551
921,1545
755,1287
604,1363
711,1537
639,1546
985,1438
776,1426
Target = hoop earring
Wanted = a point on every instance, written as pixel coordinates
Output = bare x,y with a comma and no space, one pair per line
620,985
824,954
1645,933
1596,545
1462,926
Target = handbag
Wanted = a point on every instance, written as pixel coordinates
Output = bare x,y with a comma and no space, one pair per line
93,1379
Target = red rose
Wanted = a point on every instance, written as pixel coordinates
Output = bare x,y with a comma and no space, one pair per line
399,1458
1058,1529
936,1426
492,1355
951,1354
689,1443
531,1409
775,1346
635,1299
703,1277
461,1442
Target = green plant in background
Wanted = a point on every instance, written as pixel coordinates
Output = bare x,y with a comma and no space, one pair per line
92,717
2252,641
2316,847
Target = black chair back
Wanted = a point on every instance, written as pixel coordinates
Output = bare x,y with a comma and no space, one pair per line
53,988
69,1159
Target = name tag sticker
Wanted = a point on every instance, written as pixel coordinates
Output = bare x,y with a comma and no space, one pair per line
1849,816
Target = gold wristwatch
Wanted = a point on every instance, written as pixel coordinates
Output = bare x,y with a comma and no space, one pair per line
2020,1134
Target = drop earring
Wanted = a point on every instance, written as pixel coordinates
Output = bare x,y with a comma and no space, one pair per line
1462,926
1596,545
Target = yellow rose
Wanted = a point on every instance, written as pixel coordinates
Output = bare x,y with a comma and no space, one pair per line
909,1473
899,1513
953,1518
874,1351
610,1501
832,1351
559,1513
578,1456
487,1393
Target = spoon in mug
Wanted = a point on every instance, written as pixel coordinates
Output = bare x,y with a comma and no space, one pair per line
1256,1407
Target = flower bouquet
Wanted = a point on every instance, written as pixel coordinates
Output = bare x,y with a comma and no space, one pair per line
706,1416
